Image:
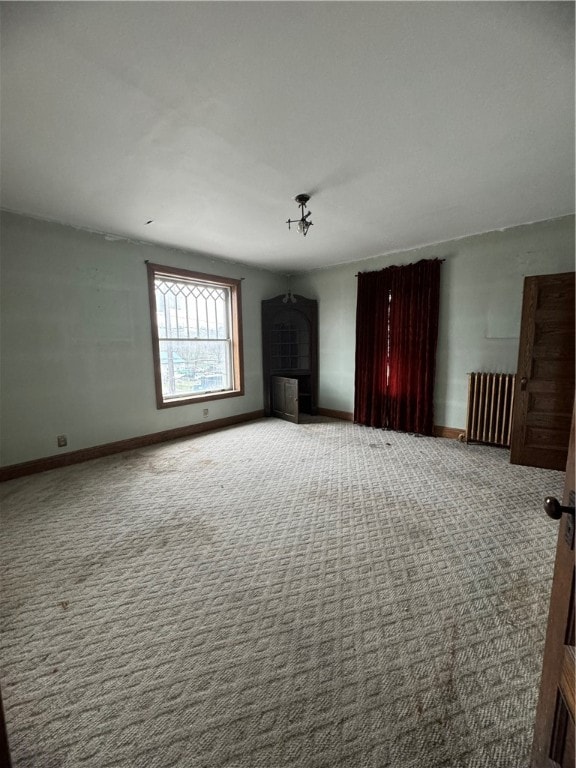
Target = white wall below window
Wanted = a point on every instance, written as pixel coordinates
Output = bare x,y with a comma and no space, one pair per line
482,282
76,343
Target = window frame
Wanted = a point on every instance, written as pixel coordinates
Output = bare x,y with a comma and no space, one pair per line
236,347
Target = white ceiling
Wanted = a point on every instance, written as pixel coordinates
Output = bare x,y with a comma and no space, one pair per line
408,123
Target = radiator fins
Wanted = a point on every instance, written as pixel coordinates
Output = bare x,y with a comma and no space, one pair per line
490,404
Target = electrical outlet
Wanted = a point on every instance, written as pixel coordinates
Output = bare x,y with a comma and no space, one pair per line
62,441
205,412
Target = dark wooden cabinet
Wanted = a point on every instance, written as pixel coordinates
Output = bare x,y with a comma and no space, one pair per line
290,356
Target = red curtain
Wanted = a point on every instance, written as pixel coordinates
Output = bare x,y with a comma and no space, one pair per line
396,333
372,318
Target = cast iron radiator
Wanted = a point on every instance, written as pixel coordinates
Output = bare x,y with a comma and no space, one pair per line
490,403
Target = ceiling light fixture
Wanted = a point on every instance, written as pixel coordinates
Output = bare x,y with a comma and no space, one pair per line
303,225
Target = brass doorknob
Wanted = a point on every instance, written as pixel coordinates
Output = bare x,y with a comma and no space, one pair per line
554,509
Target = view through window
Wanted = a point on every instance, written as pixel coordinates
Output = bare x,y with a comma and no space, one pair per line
195,328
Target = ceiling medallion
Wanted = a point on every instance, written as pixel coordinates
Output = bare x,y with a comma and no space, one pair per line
303,225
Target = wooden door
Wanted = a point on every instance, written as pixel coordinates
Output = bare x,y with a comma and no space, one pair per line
553,743
285,398
4,750
545,373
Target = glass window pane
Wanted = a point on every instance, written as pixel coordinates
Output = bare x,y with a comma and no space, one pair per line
191,311
194,335
192,367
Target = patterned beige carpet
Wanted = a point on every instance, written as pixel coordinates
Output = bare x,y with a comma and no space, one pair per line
275,596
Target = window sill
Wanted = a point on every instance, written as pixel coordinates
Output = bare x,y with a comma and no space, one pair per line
191,399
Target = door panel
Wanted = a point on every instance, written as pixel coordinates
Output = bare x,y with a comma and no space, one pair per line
549,403
285,398
545,374
553,743
549,369
5,761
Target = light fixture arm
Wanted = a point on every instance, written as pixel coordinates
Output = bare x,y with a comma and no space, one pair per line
302,223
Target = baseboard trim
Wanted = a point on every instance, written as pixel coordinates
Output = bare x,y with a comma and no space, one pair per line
439,431
343,415
13,471
450,432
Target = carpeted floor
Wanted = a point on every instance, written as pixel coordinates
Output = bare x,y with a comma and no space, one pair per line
275,596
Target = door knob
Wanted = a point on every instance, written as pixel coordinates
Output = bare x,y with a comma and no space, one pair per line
554,509
523,383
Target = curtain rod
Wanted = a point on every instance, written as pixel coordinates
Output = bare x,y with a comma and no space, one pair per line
398,265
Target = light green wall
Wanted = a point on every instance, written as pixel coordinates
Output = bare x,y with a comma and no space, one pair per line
77,354
75,341
480,307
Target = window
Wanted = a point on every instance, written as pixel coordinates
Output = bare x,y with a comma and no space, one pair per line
196,338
